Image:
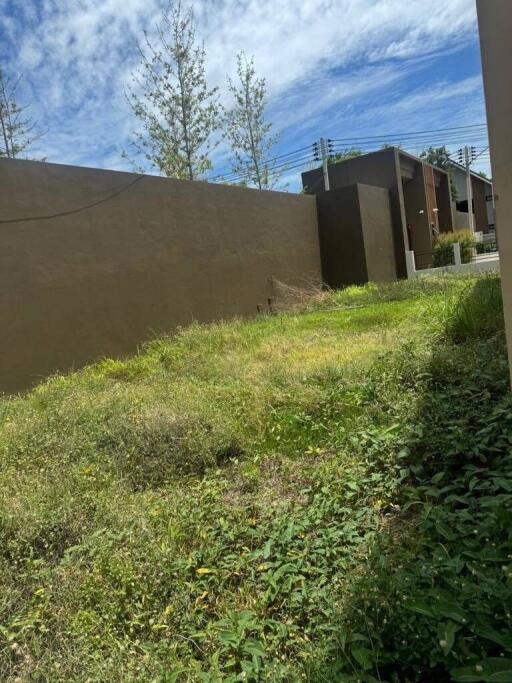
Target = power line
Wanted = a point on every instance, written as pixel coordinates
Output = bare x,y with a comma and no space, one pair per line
411,142
481,153
424,138
412,133
275,171
266,162
452,136
304,160
229,177
77,210
272,169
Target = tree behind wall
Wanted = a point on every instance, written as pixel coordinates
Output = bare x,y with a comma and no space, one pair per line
349,153
247,131
17,129
170,96
440,157
437,156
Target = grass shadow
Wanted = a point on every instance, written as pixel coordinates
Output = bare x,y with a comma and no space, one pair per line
433,602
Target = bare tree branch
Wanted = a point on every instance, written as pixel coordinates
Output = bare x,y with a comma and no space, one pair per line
17,129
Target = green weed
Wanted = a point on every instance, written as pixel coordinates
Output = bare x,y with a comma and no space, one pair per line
319,495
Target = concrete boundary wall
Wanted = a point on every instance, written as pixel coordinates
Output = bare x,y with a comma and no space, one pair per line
488,266
93,263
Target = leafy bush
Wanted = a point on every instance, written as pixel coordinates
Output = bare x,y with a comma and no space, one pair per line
486,247
443,248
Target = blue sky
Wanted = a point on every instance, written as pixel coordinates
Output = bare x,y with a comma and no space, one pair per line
334,68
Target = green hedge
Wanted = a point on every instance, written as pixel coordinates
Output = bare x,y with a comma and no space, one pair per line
443,248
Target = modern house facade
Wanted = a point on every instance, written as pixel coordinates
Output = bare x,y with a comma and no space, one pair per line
483,202
419,195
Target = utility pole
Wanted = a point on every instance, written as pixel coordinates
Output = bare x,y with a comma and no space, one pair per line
322,150
467,156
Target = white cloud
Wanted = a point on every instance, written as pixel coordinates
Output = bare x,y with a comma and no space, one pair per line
318,56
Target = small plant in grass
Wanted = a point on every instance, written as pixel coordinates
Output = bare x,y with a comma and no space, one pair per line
443,248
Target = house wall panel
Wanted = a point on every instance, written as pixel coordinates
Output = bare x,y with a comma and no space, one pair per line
341,237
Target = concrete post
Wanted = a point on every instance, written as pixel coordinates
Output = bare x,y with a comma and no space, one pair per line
410,264
457,259
495,19
324,150
468,158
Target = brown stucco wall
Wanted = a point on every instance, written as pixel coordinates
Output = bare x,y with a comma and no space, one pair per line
101,280
356,235
341,237
495,20
377,233
378,169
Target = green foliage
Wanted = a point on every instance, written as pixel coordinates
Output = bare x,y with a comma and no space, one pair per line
475,312
443,248
442,605
170,97
246,129
437,156
322,496
485,247
348,153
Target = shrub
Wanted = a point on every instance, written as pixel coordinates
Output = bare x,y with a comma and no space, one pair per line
485,247
443,248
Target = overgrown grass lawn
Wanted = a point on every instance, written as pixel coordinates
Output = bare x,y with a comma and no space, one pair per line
323,495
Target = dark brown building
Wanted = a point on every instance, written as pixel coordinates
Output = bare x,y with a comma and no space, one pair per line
419,196
356,235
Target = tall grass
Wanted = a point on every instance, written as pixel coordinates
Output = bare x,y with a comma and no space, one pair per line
477,311
244,501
